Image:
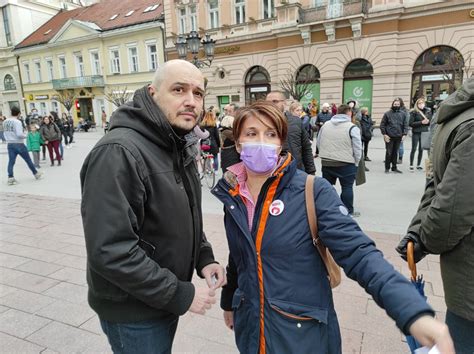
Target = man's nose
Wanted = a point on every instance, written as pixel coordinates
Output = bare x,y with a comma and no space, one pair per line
190,100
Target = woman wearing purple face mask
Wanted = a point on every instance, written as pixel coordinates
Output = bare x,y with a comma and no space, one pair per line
278,298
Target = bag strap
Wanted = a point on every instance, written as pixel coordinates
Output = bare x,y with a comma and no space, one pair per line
313,219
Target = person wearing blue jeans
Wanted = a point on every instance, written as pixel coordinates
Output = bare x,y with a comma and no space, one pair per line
15,135
346,175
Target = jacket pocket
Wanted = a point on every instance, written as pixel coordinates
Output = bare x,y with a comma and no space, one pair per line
103,289
295,328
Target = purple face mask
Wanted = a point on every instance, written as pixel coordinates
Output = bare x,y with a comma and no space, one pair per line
259,158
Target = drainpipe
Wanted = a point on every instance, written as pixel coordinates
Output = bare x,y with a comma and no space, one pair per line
21,83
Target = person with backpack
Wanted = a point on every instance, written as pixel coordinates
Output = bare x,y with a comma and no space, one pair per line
278,298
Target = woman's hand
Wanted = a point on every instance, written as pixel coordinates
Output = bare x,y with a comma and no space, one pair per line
386,138
425,121
229,319
430,332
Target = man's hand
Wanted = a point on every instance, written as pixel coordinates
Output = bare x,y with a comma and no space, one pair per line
386,138
203,300
215,275
229,319
430,332
419,251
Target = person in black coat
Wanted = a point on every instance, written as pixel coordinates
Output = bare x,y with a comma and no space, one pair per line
420,118
209,123
367,128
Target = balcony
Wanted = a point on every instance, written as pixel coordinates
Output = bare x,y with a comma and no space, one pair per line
78,82
335,10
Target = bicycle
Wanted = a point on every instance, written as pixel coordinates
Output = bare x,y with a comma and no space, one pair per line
207,168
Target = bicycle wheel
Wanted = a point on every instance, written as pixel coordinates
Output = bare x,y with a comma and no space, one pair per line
209,173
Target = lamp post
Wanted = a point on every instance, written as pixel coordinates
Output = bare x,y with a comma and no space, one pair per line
192,42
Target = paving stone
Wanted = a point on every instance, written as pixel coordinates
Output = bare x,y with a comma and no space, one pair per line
39,268
7,275
92,325
12,344
372,343
214,330
67,339
37,242
31,252
32,282
5,289
26,301
74,250
21,324
3,309
71,275
66,312
70,292
11,261
351,341
73,262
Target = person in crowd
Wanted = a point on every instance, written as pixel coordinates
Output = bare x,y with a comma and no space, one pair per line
83,125
59,122
67,130
33,143
405,110
209,123
367,128
297,143
296,110
323,116
333,109
2,135
444,221
340,149
420,118
229,154
15,135
51,136
394,128
272,302
355,109
141,178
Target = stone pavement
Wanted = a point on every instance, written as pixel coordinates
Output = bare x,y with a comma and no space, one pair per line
43,306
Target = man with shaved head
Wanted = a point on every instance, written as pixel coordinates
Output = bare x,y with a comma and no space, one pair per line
141,211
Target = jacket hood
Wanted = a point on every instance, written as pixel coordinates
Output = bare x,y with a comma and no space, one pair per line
457,102
340,118
145,116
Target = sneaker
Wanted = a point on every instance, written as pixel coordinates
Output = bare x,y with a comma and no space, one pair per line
12,181
411,169
366,169
367,159
400,161
397,171
419,168
39,175
387,171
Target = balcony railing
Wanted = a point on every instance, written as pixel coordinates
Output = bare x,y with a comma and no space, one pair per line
335,10
77,82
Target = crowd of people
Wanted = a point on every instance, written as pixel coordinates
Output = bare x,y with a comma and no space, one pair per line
141,177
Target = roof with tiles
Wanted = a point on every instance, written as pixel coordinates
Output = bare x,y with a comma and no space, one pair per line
106,15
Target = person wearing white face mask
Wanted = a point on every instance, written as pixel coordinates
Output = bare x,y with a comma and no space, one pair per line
278,297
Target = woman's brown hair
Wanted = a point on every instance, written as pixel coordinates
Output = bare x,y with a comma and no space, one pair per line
258,110
209,119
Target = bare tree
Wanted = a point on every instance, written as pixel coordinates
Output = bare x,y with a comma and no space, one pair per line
295,87
66,98
118,95
456,68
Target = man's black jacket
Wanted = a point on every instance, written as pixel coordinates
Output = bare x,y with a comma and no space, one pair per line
141,211
299,145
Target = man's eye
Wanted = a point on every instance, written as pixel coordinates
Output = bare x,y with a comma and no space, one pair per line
178,89
199,94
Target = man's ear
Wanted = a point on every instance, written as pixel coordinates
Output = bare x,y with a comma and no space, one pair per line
151,89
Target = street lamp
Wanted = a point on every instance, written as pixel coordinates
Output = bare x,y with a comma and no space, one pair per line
192,43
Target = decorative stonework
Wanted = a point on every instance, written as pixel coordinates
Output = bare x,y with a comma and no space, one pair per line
330,28
306,34
356,25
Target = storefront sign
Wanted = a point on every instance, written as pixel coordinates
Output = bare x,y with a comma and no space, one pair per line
258,89
437,77
227,50
312,93
42,97
360,91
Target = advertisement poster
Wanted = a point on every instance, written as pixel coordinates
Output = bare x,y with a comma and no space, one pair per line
313,92
359,90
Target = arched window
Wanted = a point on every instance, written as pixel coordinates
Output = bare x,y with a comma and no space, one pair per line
307,78
9,83
437,72
257,84
358,83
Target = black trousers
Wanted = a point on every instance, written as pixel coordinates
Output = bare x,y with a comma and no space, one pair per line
391,153
365,143
416,143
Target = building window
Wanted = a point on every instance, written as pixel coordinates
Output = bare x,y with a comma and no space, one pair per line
95,62
26,67
6,26
43,109
49,67
239,11
152,57
62,67
9,83
114,61
182,20
32,106
79,65
268,9
38,71
55,106
193,17
133,59
213,13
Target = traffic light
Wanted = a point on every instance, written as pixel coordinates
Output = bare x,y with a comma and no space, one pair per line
78,109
